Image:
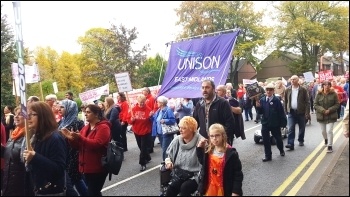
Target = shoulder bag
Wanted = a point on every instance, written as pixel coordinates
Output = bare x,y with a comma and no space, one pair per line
169,129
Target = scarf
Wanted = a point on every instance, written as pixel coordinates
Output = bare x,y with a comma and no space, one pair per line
71,113
17,133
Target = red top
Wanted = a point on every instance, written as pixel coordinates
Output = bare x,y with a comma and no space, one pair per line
240,93
123,114
142,124
3,143
92,145
339,90
150,101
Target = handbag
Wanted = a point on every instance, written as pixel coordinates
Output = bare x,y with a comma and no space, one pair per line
183,174
169,129
63,193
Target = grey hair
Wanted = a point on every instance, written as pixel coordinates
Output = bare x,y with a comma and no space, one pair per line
163,100
51,97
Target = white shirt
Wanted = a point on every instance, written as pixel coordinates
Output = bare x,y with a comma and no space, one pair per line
294,98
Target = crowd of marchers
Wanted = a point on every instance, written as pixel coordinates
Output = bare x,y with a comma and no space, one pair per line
59,152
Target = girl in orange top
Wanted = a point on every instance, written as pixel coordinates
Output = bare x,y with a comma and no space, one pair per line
221,173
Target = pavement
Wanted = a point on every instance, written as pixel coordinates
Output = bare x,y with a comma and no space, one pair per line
335,179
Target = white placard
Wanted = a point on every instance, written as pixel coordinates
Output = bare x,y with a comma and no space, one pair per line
249,81
55,89
308,76
123,82
95,94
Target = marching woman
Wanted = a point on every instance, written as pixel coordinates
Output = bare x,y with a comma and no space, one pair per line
16,180
164,115
92,142
142,126
123,117
47,159
111,113
326,106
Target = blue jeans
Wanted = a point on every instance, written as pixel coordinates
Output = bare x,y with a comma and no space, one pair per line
293,119
248,111
165,141
81,187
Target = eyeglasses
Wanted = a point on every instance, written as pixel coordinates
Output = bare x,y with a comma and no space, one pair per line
215,136
31,115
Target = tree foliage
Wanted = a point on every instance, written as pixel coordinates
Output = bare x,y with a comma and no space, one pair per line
203,17
7,57
312,28
148,74
47,60
109,51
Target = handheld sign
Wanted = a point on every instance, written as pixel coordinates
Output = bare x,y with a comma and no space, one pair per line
253,90
123,82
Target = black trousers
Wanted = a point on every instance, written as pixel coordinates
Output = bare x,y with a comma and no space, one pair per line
142,142
184,188
124,140
95,182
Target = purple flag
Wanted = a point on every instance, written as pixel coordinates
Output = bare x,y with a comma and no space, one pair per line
191,62
20,53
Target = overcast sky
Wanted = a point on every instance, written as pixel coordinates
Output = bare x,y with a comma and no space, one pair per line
58,24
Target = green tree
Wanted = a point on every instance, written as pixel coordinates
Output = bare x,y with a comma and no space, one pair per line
109,51
203,17
150,71
7,57
312,28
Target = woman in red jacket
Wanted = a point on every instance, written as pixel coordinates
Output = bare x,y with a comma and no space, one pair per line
123,117
92,142
142,127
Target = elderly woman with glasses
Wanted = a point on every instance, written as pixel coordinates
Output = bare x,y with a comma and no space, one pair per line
182,159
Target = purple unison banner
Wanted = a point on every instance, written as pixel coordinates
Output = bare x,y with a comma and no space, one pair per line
190,62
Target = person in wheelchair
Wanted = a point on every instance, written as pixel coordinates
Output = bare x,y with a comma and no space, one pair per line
182,159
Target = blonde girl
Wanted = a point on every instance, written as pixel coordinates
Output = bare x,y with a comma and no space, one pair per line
221,173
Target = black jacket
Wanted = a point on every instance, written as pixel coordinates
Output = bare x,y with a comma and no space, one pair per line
219,112
16,181
238,130
232,173
275,115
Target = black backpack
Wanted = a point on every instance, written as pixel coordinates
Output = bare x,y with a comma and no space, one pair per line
112,162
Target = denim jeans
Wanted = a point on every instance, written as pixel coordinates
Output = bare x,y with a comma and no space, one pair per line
165,142
293,119
248,113
81,187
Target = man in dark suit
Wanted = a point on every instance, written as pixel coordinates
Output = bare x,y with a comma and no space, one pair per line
273,118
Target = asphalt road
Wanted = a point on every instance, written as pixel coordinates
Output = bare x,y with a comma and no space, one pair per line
294,174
